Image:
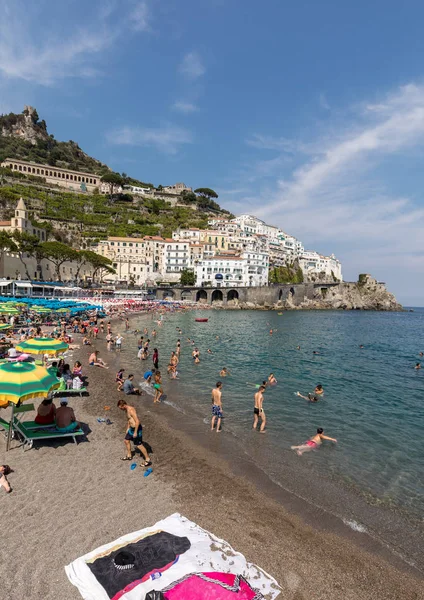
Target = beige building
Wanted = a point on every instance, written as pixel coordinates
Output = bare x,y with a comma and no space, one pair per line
22,223
76,181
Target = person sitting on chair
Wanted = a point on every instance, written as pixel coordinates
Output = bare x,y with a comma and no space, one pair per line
46,412
65,418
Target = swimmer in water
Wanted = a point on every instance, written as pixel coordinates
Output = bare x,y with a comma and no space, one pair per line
313,443
421,354
298,348
315,352
417,366
361,346
224,372
318,393
210,351
271,379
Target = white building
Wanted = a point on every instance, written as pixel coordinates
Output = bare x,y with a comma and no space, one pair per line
317,267
231,270
138,191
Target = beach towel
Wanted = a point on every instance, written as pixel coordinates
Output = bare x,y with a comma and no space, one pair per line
208,586
206,554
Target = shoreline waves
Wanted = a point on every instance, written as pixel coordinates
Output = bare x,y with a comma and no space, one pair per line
69,499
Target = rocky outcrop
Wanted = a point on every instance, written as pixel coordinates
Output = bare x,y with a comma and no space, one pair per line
367,294
25,126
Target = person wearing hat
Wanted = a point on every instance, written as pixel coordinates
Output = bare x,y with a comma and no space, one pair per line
65,417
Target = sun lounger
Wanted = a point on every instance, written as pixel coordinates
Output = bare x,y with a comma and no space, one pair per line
18,410
33,435
71,391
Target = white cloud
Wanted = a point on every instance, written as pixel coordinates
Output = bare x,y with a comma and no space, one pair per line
46,52
192,66
167,138
185,107
140,17
323,102
338,195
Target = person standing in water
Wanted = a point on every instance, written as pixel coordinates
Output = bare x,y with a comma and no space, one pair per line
217,412
313,443
258,411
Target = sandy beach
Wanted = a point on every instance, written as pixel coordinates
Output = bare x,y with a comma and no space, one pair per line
68,500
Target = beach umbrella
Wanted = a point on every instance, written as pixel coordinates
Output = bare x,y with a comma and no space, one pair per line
22,381
42,346
4,326
9,310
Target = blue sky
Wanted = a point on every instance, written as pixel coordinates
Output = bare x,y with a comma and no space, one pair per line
308,114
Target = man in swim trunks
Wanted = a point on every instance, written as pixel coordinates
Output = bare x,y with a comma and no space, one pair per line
258,411
158,387
65,418
217,412
134,433
313,443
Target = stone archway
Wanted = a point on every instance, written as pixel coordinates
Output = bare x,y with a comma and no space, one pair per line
168,294
202,296
186,295
232,295
280,295
292,291
217,296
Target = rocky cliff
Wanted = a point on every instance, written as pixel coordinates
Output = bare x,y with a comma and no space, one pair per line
367,294
24,136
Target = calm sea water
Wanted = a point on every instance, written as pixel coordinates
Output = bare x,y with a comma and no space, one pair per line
373,403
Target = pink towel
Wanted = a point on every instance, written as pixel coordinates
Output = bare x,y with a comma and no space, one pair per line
211,586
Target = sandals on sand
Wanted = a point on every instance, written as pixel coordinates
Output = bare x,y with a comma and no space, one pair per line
127,458
147,463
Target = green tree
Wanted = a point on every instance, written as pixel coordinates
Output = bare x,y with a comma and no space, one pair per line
7,243
206,193
27,246
113,180
188,196
58,254
188,277
100,264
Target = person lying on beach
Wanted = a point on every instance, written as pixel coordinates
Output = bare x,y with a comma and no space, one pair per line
224,372
65,417
96,361
86,341
134,433
4,471
318,392
258,411
119,379
313,443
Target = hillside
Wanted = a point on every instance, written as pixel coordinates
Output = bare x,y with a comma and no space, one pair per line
24,136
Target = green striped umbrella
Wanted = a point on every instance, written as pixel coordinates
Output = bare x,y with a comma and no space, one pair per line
10,310
20,381
42,346
4,326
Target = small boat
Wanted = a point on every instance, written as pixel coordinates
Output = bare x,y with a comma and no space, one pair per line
201,320
279,314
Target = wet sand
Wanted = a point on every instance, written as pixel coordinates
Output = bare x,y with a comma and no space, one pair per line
68,500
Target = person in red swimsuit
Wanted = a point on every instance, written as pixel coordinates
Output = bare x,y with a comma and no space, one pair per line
313,443
46,413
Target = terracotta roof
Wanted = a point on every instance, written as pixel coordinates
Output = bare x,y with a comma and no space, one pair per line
5,223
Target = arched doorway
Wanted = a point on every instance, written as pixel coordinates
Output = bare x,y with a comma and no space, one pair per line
201,296
232,295
217,296
280,295
292,291
168,294
186,295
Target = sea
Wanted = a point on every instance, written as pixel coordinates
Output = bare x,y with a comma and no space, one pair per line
372,480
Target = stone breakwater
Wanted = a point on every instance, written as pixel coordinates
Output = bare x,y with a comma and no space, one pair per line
367,294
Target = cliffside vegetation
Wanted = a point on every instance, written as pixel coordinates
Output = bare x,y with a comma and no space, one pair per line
289,274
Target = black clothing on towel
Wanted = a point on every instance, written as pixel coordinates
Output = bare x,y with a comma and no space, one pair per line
156,552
